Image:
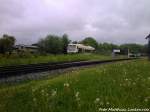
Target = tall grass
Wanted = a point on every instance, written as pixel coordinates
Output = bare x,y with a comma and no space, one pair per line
49,58
124,85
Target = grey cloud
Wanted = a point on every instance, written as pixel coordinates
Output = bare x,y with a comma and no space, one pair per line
117,21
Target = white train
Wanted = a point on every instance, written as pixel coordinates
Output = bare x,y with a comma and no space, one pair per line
76,48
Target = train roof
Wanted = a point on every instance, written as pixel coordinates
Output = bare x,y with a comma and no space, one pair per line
82,46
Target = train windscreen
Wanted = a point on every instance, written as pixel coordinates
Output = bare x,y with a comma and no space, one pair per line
71,47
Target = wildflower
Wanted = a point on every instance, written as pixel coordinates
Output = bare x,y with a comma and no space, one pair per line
107,103
34,99
134,83
101,103
77,99
66,84
33,90
42,92
146,99
125,72
102,109
79,104
77,94
97,100
47,94
114,81
54,92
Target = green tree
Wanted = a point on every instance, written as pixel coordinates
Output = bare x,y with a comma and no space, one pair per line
134,48
90,41
51,44
6,44
106,48
42,46
65,42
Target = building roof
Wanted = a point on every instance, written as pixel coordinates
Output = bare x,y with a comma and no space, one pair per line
26,46
148,37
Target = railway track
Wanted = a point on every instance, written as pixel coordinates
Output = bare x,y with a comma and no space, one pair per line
10,71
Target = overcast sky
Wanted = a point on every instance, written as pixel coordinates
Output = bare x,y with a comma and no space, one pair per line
116,21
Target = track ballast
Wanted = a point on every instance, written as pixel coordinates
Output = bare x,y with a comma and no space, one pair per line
9,71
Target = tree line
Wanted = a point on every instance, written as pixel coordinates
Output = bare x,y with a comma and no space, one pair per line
6,43
54,44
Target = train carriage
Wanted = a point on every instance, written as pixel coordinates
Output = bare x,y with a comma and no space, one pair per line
77,48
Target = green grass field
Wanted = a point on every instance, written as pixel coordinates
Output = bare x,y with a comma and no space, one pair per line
119,85
50,58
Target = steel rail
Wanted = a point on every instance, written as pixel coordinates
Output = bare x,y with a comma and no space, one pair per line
9,71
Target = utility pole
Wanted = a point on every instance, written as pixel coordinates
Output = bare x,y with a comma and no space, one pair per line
148,38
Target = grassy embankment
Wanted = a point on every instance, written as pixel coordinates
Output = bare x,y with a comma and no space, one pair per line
50,58
119,85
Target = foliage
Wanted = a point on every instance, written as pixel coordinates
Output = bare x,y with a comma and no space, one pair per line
54,44
123,85
106,48
90,41
134,48
6,43
65,42
42,46
51,44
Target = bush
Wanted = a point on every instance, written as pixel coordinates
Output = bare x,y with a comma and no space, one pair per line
53,44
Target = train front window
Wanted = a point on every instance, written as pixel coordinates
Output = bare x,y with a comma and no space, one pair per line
71,47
